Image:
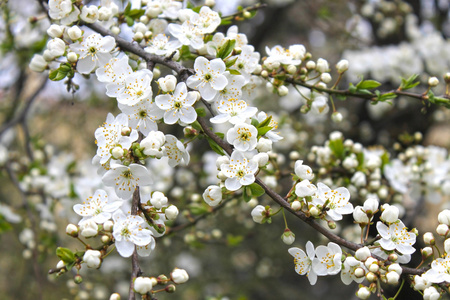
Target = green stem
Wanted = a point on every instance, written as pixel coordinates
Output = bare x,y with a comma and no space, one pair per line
284,217
399,289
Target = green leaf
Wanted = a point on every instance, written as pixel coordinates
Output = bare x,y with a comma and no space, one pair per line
230,62
255,122
234,240
196,125
225,21
367,84
60,73
337,147
201,112
409,83
4,225
66,255
233,72
256,190
226,49
263,130
215,147
129,21
198,209
266,122
135,13
385,97
220,134
247,194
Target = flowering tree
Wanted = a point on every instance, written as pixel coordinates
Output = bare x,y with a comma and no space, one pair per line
186,90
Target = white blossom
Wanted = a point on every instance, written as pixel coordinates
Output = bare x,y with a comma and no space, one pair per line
212,195
178,106
243,137
338,201
303,261
92,258
396,237
240,171
97,207
208,78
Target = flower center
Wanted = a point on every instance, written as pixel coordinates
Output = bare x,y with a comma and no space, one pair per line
125,232
92,50
127,174
177,105
142,113
208,77
240,173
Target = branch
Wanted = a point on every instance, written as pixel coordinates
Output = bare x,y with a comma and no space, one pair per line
135,269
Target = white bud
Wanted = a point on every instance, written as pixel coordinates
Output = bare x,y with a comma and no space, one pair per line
392,277
57,47
322,66
55,31
363,293
38,63
433,81
357,148
442,229
428,238
283,90
89,14
444,217
390,213
396,268
360,216
115,296
171,212
264,145
296,205
72,230
371,277
325,77
342,66
258,214
92,258
158,200
360,272
88,228
210,3
362,254
303,171
74,33
222,160
179,276
72,57
431,293
261,158
108,226
374,268
212,195
138,36
420,283
117,152
310,65
288,237
140,27
427,251
105,13
168,83
371,205
336,135
60,264
336,117
291,69
115,30
314,211
447,246
143,285
305,188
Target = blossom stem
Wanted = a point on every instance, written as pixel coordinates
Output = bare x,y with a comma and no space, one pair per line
399,290
284,217
86,245
110,251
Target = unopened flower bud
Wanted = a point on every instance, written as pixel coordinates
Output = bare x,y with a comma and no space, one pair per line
72,230
392,277
336,117
143,285
108,226
55,31
283,90
74,33
106,239
117,152
72,57
420,283
393,257
291,69
390,213
331,224
288,237
115,296
396,268
426,252
342,66
433,81
60,264
442,229
371,277
362,254
171,288
78,279
171,212
325,77
363,293
428,238
444,217
126,131
179,276
374,268
360,272
296,205
314,211
92,258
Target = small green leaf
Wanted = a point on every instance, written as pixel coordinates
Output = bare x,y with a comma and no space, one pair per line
201,112
255,122
226,49
266,122
263,130
215,147
337,147
247,194
196,125
220,134
233,72
256,190
409,83
65,254
230,62
234,240
198,209
367,84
